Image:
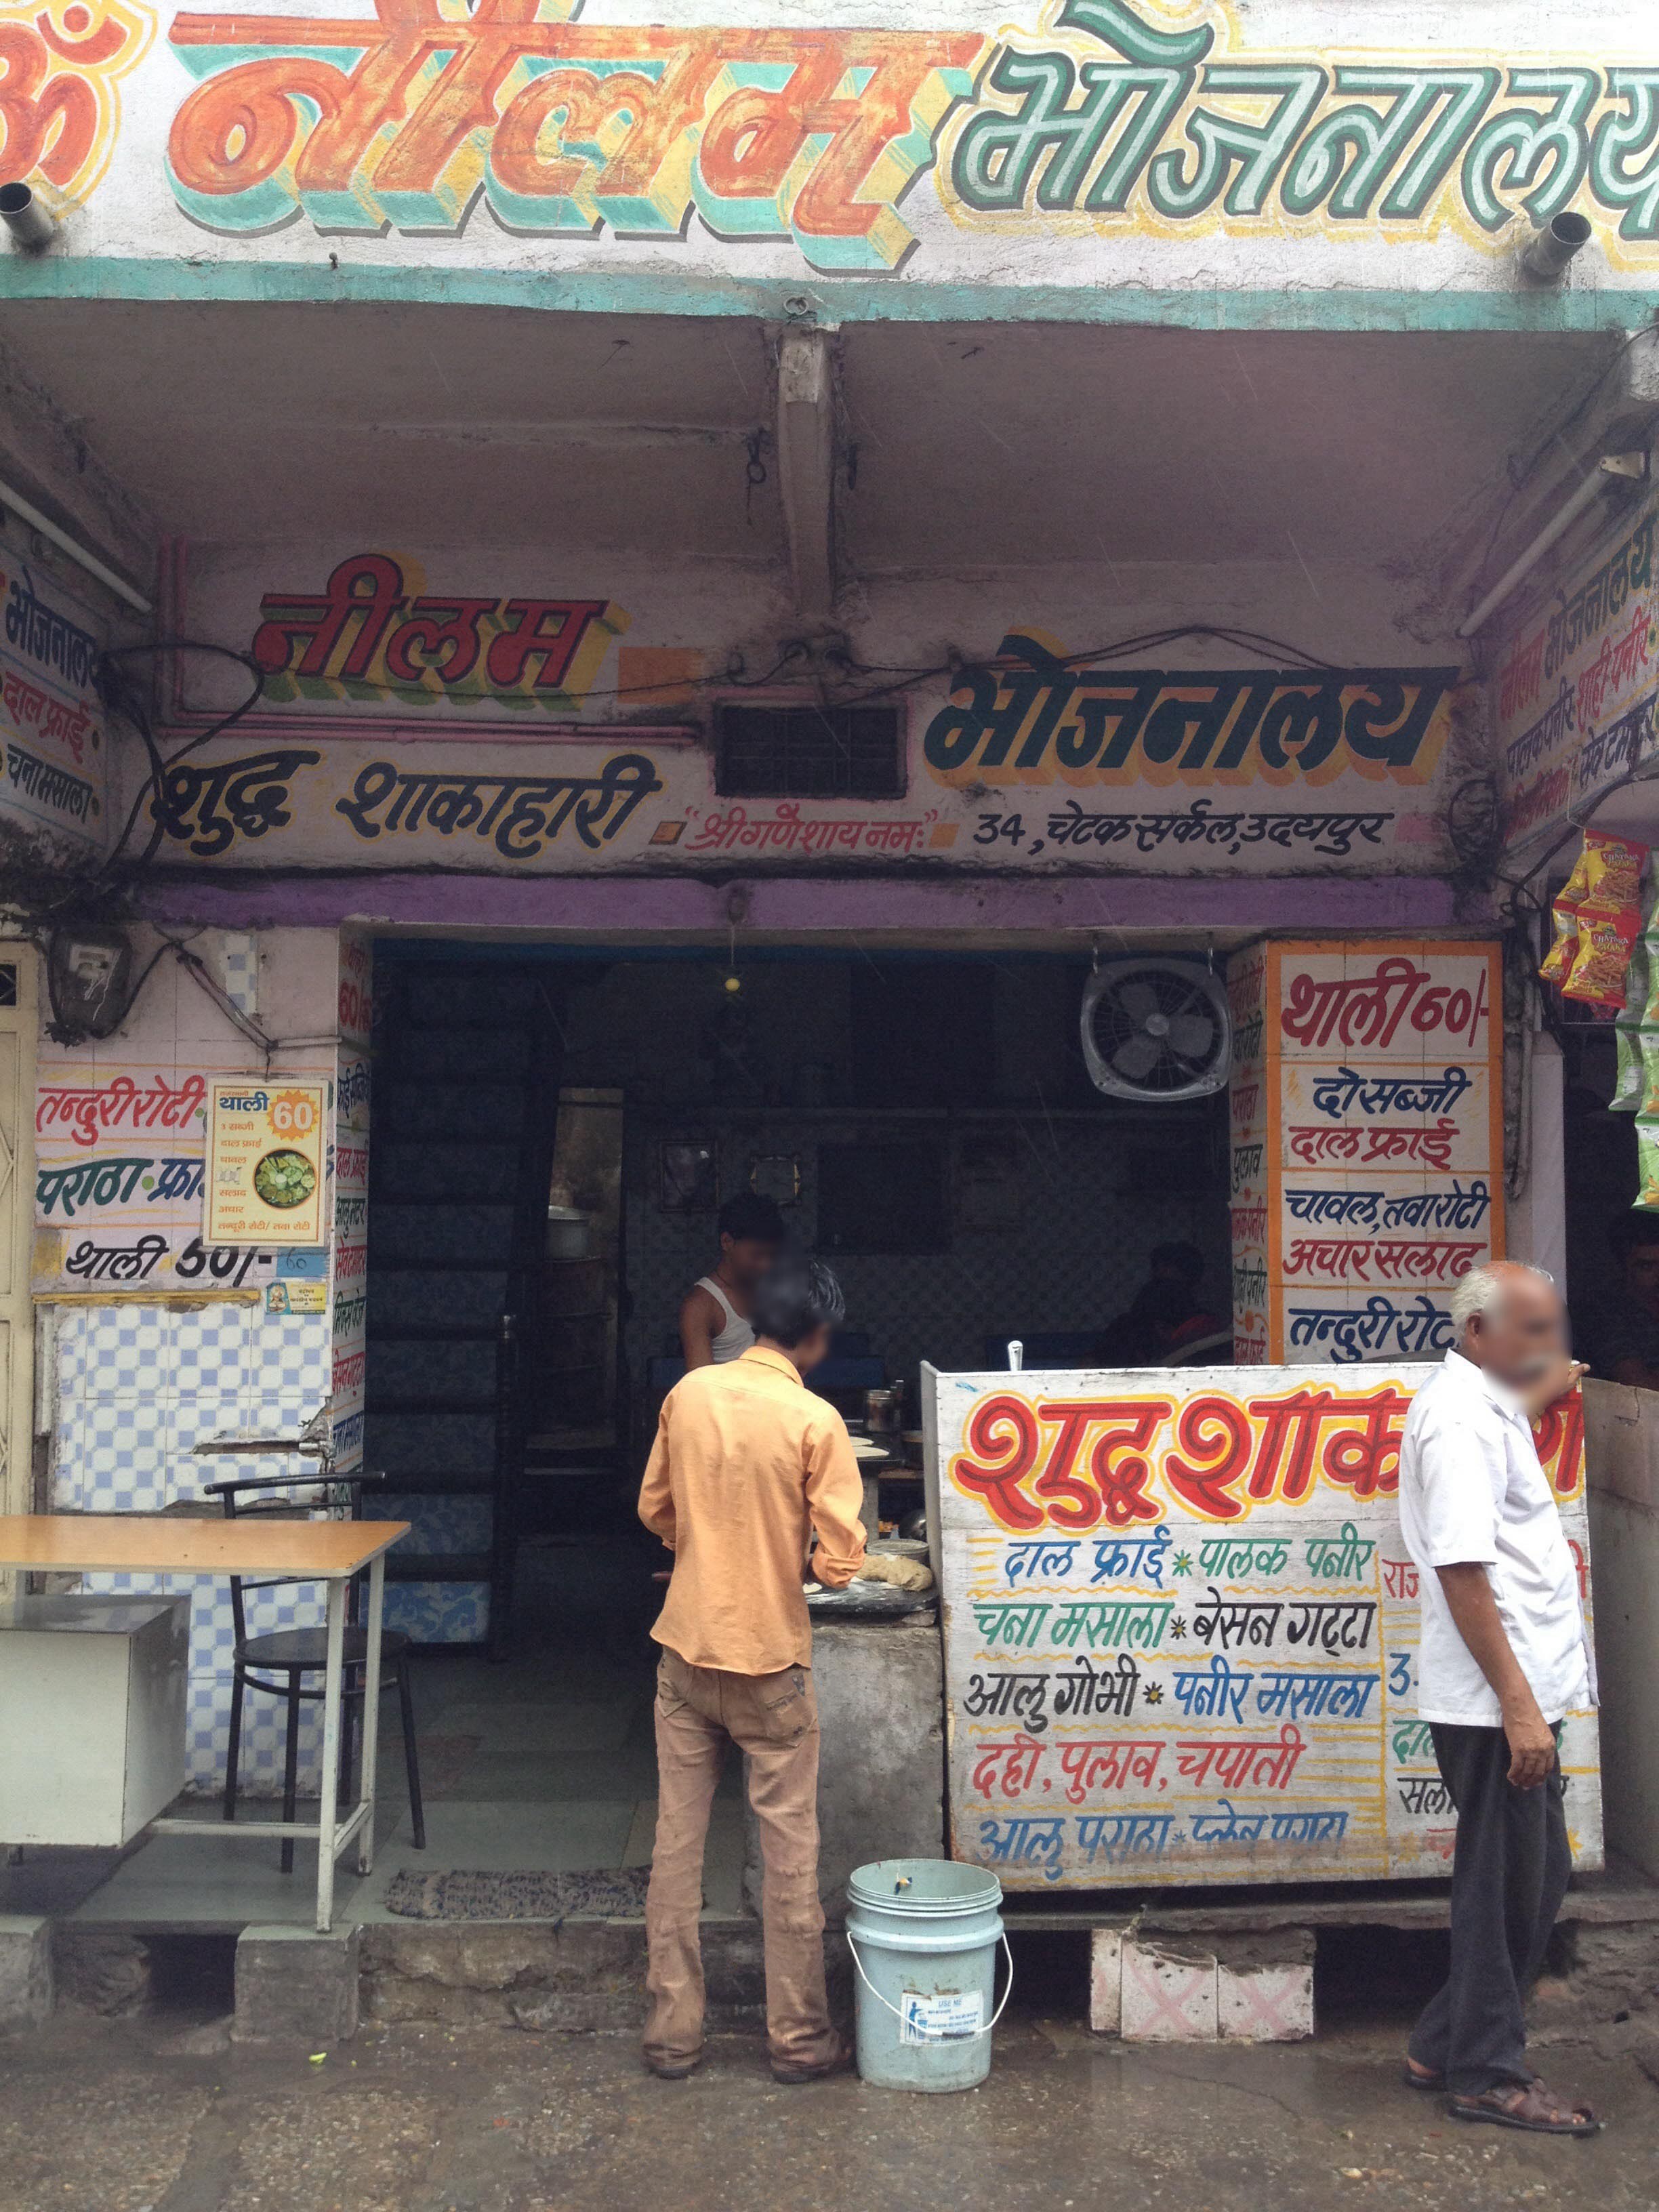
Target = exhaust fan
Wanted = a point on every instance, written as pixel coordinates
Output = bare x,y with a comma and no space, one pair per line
1155,1029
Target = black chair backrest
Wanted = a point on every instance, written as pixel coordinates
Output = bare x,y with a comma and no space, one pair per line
275,1496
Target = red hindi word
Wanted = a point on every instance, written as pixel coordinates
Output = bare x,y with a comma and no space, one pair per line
1366,1010
1006,1445
1272,1445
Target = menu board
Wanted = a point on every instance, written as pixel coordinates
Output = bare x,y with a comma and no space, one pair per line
1366,1126
267,1160
1181,1627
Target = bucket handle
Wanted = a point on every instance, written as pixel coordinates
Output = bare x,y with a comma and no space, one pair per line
926,2037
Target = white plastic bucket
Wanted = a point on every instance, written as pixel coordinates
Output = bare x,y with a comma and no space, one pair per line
923,1935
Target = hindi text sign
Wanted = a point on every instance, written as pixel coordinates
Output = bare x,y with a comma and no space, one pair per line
1181,1627
266,1178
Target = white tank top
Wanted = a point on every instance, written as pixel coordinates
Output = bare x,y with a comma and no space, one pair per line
738,1336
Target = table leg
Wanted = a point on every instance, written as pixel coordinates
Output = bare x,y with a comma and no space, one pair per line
371,1732
328,1805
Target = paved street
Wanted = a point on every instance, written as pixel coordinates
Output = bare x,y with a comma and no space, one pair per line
145,2116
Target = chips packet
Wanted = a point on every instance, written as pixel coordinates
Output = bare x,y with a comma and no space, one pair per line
1647,1166
1602,957
1558,960
1609,876
1629,1080
1647,1050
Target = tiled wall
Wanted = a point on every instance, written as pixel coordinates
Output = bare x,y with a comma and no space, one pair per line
1074,1259
138,1386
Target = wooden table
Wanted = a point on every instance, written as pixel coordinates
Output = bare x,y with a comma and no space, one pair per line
329,1552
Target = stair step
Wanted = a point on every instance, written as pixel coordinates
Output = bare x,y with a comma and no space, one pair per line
410,1446
434,1332
447,1230
460,1113
417,1174
437,1566
452,1054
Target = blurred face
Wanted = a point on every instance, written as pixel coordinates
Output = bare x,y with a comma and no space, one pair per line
1519,1337
1642,1275
746,1259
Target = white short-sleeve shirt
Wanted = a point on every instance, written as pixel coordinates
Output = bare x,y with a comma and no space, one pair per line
1472,1491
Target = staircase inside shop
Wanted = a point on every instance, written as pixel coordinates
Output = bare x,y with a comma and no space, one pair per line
465,1109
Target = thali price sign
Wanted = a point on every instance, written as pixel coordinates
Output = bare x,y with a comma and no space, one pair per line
267,1160
1181,1627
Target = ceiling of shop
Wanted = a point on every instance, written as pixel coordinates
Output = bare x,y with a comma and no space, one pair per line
975,444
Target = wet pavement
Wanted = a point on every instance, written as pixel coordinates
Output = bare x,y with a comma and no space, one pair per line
151,2116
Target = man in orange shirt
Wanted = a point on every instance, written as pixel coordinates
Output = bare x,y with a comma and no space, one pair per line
746,1465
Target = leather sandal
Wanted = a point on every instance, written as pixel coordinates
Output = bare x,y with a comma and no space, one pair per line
1531,2106
1416,2077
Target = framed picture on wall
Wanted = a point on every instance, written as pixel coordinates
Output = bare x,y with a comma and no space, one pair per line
689,1175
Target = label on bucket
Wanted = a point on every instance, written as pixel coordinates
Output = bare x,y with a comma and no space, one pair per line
952,2016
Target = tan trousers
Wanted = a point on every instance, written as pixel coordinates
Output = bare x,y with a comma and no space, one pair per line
774,1718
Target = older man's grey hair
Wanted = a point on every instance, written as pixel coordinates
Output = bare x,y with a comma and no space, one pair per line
1482,1290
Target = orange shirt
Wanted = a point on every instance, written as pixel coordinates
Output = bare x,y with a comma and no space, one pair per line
746,1461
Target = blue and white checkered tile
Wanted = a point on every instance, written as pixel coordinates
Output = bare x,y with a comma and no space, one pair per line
75,1354
191,1421
133,1585
264,1724
439,1612
126,1352
210,1352
239,954
290,1354
112,1456
284,1605
436,1524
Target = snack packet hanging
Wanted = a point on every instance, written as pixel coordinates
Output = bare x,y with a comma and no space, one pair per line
1609,876
1647,1166
1637,983
1629,1080
1597,977
1648,1052
1558,960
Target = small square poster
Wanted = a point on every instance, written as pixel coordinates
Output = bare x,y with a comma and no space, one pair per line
266,1180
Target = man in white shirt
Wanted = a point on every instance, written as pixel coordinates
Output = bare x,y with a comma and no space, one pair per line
1502,1658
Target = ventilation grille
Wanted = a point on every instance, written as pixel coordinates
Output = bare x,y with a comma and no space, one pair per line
808,752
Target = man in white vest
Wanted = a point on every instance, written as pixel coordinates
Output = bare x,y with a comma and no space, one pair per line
715,1325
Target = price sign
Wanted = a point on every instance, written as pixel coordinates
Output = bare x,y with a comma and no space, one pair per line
266,1172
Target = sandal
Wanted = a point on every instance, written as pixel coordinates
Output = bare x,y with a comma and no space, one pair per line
1531,2106
1416,2077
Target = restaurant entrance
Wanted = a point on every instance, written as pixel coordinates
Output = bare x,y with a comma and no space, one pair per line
556,1129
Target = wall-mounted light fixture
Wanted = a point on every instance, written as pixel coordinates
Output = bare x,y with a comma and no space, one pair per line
89,980
1611,472
32,224
1552,244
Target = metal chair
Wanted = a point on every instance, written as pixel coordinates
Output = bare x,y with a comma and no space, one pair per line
294,1653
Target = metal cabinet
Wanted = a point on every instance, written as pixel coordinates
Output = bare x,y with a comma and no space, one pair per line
92,1716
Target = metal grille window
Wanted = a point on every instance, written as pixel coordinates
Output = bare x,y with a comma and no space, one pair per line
808,752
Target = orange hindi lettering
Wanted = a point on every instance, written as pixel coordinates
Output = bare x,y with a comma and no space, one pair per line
1217,1434
1002,1441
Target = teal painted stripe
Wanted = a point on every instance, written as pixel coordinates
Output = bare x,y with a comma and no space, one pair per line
665,290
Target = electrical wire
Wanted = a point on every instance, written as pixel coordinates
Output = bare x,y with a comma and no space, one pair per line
138,715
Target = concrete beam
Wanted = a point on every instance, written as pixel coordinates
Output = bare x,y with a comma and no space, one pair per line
295,1986
806,465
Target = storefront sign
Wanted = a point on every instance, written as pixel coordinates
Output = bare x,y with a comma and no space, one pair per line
1366,1114
1104,143
267,1178
51,723
1181,1627
1575,694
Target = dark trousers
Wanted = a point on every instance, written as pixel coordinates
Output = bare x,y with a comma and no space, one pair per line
1509,1877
